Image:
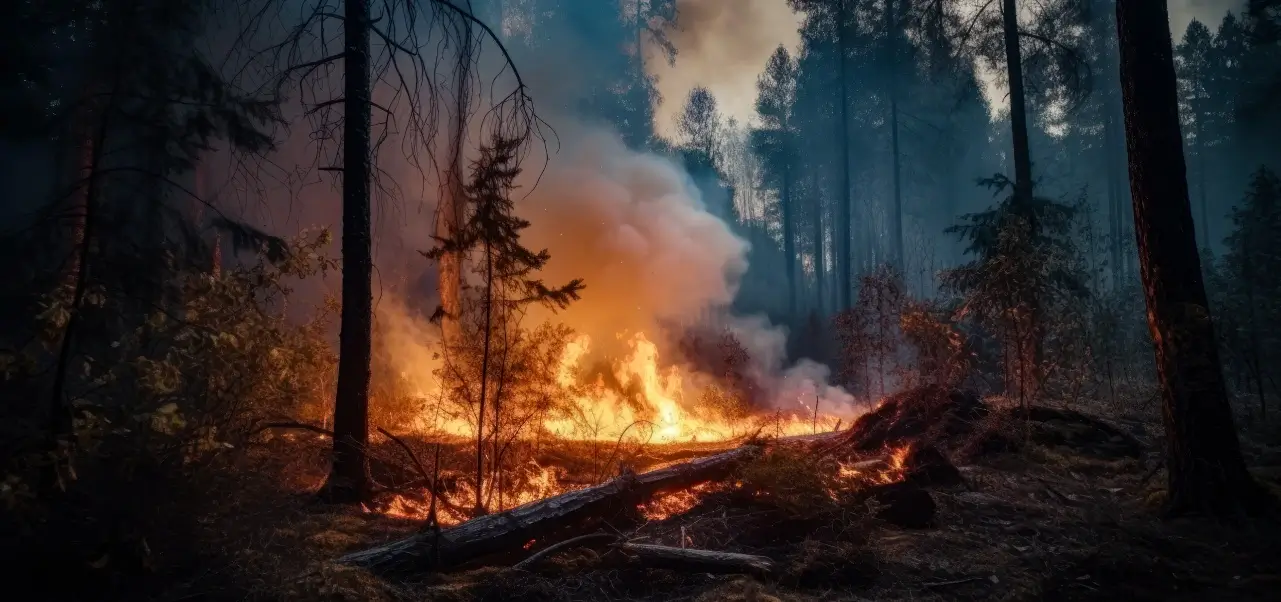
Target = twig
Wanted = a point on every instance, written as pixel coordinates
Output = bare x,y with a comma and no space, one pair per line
554,548
412,457
294,425
953,582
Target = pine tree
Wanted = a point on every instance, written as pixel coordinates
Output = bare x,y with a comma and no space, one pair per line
1252,269
1024,269
1193,59
775,142
507,271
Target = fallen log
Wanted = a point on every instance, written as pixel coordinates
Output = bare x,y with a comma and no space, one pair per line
552,519
703,561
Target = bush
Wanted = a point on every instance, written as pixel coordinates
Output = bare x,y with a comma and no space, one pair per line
161,404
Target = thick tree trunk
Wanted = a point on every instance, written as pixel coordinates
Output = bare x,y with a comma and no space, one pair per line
551,519
1206,472
844,262
349,478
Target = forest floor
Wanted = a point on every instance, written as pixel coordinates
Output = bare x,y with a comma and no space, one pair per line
1071,515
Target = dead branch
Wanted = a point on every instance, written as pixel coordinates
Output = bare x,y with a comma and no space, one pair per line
703,561
302,426
557,547
412,457
953,582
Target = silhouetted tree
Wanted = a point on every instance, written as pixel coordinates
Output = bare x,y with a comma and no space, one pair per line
1206,472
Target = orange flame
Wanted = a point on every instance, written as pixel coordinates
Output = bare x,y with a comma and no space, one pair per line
597,413
890,470
672,504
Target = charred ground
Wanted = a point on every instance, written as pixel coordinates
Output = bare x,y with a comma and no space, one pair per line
1052,504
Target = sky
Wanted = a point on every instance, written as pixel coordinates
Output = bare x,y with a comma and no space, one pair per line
723,45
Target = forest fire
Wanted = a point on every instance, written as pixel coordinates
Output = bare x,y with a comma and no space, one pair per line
650,404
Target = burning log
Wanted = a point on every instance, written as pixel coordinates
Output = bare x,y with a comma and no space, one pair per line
703,561
554,518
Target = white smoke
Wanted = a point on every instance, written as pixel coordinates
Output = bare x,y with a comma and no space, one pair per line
633,226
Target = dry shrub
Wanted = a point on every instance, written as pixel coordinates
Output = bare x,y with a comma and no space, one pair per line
788,480
930,414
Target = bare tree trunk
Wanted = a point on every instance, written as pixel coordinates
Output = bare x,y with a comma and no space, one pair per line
484,380
891,25
450,212
1018,104
1200,161
843,235
61,423
789,238
349,478
1206,472
820,264
1022,180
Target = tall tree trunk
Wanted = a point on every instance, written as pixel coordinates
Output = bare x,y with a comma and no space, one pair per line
820,263
1113,142
1032,344
61,422
1200,171
479,509
896,226
1206,472
450,212
1018,104
349,478
844,240
1115,204
789,239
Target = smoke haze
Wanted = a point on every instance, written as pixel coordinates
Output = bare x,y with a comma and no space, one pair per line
721,45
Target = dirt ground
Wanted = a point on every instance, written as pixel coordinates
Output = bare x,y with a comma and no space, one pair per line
1069,515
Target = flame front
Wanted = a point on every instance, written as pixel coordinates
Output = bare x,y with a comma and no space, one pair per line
659,411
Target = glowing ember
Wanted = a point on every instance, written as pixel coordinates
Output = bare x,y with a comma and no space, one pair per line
885,471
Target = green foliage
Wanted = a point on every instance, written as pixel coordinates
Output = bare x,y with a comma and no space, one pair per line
1025,270
163,401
